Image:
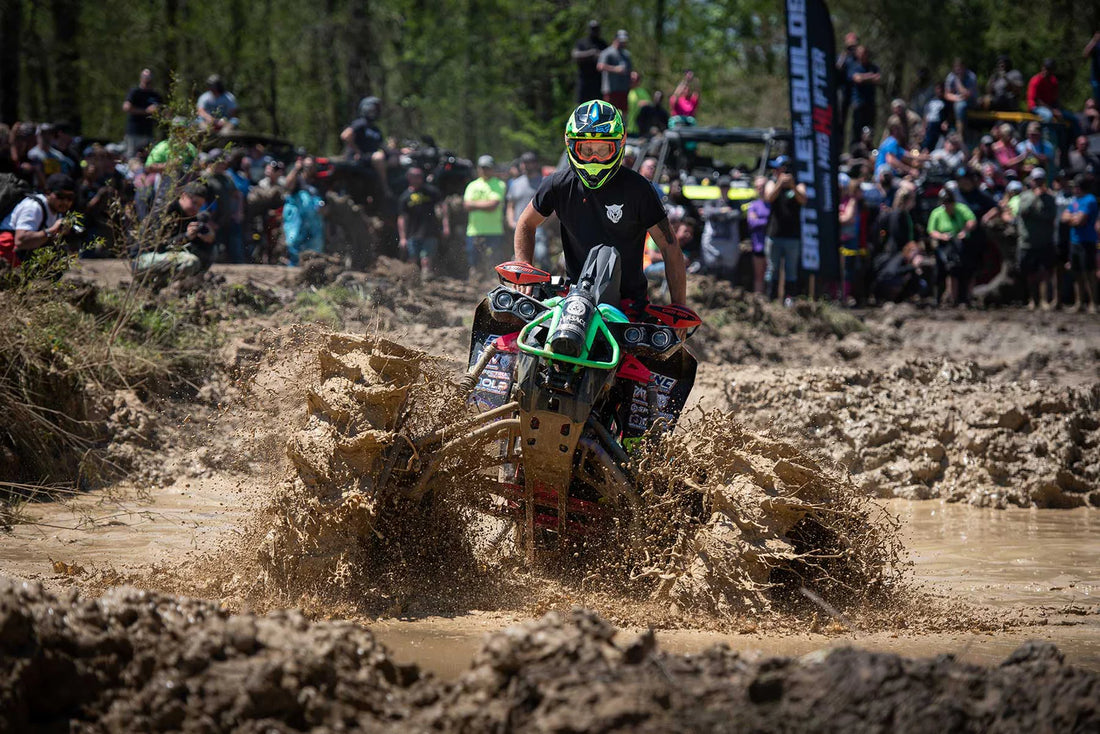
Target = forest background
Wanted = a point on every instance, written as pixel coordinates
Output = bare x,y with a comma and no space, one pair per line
482,75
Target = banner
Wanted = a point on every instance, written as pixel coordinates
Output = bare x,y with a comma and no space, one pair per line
811,65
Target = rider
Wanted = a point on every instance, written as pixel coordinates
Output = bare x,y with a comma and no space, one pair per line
364,139
600,202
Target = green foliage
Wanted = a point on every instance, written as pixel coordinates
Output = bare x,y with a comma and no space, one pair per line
324,305
490,75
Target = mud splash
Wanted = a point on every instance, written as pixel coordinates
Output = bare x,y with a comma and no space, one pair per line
140,661
925,429
731,523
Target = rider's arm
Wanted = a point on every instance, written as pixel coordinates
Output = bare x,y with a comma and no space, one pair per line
673,256
524,241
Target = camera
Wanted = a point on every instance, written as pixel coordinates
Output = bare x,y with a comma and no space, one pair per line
203,220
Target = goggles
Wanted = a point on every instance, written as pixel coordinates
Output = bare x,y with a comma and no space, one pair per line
594,151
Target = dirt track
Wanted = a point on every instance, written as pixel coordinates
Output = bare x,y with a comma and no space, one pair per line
810,377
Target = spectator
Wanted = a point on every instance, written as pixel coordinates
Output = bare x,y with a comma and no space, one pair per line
685,97
47,156
1090,117
615,64
852,253
521,190
961,90
1092,52
908,121
364,142
1081,160
37,220
142,103
70,145
637,99
1034,152
977,258
951,156
935,119
1004,87
1043,100
1037,214
94,194
1081,216
784,242
421,221
844,65
864,76
653,118
721,242
303,225
984,159
1004,147
225,201
238,170
630,156
484,200
949,226
217,108
587,54
679,204
758,214
648,170
902,270
893,155
186,244
896,223
22,139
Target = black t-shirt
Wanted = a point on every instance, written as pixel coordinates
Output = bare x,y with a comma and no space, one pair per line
137,122
786,217
175,235
368,138
619,213
419,210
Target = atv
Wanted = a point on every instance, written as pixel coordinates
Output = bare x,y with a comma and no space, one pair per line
572,384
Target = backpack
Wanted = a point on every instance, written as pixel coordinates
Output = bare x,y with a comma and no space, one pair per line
12,191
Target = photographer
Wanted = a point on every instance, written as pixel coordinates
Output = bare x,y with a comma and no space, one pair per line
185,245
786,198
38,220
949,226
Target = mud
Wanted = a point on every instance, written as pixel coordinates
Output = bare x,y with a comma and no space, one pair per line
929,429
135,660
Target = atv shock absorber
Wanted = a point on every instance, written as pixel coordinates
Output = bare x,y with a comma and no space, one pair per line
487,355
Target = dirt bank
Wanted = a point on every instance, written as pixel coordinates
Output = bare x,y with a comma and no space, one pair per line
135,660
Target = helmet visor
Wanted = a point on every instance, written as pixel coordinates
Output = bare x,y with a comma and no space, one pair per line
594,151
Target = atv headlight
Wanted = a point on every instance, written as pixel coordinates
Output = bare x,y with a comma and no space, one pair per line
503,301
526,309
660,338
633,335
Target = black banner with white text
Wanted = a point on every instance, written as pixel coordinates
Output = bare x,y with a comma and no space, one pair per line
811,56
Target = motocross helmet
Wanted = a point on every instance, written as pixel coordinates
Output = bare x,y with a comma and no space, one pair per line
594,138
369,107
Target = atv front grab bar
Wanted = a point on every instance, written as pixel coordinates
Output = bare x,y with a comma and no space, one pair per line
526,348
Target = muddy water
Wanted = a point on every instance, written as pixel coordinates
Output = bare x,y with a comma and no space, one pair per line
1045,561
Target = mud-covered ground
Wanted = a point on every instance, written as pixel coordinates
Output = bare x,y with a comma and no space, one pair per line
139,661
990,408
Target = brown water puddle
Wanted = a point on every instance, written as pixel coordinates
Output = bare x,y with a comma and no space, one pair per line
1011,559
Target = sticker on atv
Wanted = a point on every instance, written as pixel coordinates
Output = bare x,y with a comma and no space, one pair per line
494,385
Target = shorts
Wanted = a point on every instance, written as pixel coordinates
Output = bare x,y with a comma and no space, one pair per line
422,247
1082,256
1033,261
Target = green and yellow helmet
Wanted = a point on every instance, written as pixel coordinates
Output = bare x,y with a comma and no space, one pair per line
594,138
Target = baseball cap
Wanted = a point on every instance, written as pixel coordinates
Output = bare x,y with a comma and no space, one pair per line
987,140
843,180
593,23
724,180
44,128
60,182
486,161
1037,174
529,157
622,35
1014,187
779,161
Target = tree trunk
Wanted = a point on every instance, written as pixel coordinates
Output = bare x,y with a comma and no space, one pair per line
11,23
66,60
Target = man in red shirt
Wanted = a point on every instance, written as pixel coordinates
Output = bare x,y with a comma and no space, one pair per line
1042,100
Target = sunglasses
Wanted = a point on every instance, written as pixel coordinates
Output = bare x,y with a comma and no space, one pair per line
594,151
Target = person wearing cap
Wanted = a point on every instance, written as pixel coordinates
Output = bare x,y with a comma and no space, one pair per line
217,108
521,190
47,156
586,54
786,197
1081,215
949,226
484,200
863,77
1004,87
908,122
37,220
893,155
1036,224
1034,152
142,103
303,223
364,142
720,248
185,240
615,65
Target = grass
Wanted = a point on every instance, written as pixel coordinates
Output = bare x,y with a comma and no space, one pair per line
324,305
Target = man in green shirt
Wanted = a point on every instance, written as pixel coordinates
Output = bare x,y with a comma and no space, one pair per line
484,200
948,225
1036,225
